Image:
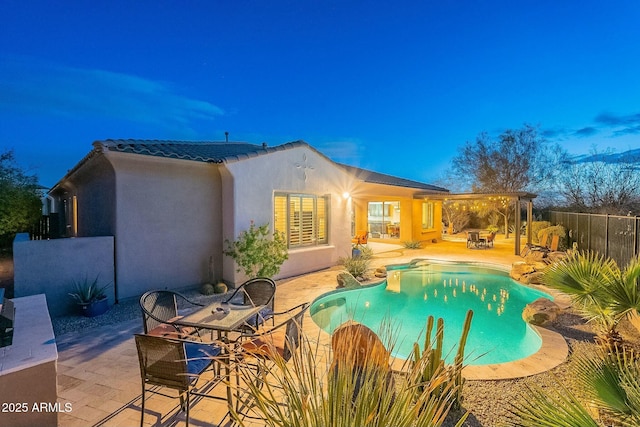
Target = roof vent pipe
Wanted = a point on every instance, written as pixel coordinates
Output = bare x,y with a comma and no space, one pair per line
226,136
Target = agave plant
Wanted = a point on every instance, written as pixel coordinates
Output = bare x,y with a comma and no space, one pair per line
601,292
611,379
307,392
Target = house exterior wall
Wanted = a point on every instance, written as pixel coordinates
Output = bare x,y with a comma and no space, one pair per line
430,234
249,188
92,187
168,222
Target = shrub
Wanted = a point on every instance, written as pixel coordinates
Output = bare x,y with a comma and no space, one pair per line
258,252
366,252
412,244
357,266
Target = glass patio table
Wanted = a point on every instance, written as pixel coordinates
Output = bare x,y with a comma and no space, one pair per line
221,318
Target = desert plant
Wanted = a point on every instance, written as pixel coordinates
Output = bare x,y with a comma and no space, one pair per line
611,380
366,251
357,266
412,244
310,392
430,359
602,292
87,291
257,251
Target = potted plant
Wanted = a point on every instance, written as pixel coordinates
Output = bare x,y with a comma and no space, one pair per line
91,298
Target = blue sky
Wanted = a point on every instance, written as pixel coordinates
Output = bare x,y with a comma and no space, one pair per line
392,86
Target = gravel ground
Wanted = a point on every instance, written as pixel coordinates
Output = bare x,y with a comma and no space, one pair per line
125,310
489,401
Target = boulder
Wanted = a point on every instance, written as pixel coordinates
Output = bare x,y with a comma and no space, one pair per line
380,272
520,269
535,278
541,312
346,280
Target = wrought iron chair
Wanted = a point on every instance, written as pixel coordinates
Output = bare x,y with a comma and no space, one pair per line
279,341
175,364
256,353
160,308
258,291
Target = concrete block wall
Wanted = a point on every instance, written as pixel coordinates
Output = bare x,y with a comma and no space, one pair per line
50,267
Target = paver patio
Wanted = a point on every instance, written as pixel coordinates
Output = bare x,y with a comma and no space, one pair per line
98,371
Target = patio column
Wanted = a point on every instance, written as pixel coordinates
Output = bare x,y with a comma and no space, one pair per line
517,227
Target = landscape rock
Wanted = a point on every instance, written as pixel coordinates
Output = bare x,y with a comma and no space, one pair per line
346,280
520,269
540,312
380,272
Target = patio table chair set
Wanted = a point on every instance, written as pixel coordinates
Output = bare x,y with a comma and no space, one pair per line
174,351
474,240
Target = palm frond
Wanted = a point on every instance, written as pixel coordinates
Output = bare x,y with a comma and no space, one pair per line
541,409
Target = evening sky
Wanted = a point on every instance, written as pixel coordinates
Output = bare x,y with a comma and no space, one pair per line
393,86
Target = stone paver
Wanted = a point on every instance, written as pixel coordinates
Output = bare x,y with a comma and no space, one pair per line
98,369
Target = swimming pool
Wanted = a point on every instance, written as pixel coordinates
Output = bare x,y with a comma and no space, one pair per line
421,288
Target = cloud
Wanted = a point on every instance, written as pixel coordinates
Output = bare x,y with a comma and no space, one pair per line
32,86
586,132
620,124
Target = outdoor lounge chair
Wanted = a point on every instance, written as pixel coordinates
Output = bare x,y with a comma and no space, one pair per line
257,291
160,308
175,364
541,246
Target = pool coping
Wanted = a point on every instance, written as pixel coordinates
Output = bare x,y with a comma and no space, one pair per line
552,352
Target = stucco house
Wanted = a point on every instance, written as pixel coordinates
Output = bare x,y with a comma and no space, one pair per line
170,206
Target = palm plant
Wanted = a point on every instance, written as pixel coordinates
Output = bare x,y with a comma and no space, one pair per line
600,291
306,392
611,379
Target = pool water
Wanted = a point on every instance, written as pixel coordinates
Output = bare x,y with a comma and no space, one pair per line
414,291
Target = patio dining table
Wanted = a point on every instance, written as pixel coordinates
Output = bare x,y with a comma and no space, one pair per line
222,319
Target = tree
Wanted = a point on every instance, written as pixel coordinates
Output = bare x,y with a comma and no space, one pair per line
603,185
20,206
518,160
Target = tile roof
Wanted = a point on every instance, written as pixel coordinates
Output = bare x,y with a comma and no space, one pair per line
380,178
202,151
222,151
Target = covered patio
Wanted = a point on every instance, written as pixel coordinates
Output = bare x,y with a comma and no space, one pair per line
517,200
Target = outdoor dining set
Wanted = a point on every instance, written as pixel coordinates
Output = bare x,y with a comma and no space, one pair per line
197,352
477,241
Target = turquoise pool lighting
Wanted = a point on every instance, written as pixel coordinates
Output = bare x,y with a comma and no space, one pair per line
414,291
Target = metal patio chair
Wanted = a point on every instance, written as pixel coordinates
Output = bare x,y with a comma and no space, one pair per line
160,309
175,364
255,292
